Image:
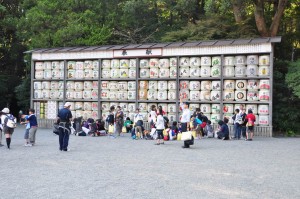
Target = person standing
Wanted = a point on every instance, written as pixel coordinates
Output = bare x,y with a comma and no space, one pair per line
250,118
237,124
185,120
64,117
119,120
152,116
33,126
8,131
243,125
160,126
138,123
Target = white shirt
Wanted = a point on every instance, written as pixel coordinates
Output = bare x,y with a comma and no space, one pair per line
137,117
160,123
237,117
152,116
186,114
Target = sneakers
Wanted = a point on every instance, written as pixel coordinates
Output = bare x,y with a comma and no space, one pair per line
28,145
67,150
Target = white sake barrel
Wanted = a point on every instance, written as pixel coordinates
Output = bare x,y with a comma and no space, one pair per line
229,71
131,85
87,85
104,94
144,63
229,117
205,108
263,120
60,94
173,62
78,94
215,108
240,60
144,85
195,71
195,61
60,85
162,85
95,115
264,60
39,74
264,84
252,70
124,63
240,71
164,63
105,106
195,95
55,65
88,74
152,85
45,94
264,95
131,107
104,115
79,65
216,61
154,72
122,95
144,73
124,72
123,86
95,65
184,71
79,113
228,108
71,74
95,94
55,74
46,85
115,73
205,71
88,64
206,85
54,85
113,85
154,62
263,109
104,85
216,85
61,74
95,84
195,85
241,84
37,85
115,63
87,94
252,95
78,86
215,118
39,66
215,71
229,61
184,84
228,95
162,95
47,74
184,62
95,106
172,85
194,106
229,84
47,65
173,72
252,107
132,63
105,63
79,74
95,74
215,95
263,71
252,60
132,73
87,106
124,106
143,107
106,73
240,95
172,95
205,61
164,72
184,94
205,95
113,94
171,108
71,65
252,85
61,65
37,94
143,94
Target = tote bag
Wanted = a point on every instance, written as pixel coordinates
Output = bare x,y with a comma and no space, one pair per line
186,136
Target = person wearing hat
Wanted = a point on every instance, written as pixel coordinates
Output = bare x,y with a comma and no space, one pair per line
185,120
7,131
64,120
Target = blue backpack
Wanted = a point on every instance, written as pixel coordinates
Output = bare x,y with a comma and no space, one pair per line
198,121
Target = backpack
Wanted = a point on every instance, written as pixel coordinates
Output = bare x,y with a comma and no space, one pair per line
198,121
10,121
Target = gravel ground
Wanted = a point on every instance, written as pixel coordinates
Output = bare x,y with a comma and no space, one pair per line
102,167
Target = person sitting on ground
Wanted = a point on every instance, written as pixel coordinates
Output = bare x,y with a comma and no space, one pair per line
86,126
174,131
209,130
224,130
128,125
100,127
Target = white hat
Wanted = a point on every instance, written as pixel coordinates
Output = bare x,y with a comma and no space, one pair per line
67,104
5,110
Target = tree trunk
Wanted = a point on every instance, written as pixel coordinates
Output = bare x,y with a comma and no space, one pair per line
239,14
277,17
259,18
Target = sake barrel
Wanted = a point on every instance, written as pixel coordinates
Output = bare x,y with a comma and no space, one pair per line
264,60
115,64
215,108
143,94
124,106
39,66
79,65
46,85
252,60
106,73
194,106
173,72
162,85
88,64
37,85
263,109
113,85
263,71
132,63
131,95
215,118
115,73
144,63
240,60
228,108
229,84
132,73
88,74
241,84
172,95
252,107
124,72
95,114
61,84
87,106
104,115
122,95
252,70
104,94
173,62
144,115
264,84
105,106
205,108
162,95
60,94
37,94
112,95
229,117
123,86
240,95
216,61
45,94
164,72
71,74
78,86
152,85
79,74
143,107
78,94
131,85
71,65
144,85
47,65
264,95
172,85
171,108
252,85
124,63
195,71
164,63
154,72
87,85
184,71
228,95
240,71
144,73
184,94
47,74
238,106
95,65
263,120
55,65
194,95
206,85
195,85
54,85
195,61
205,71
205,61
229,61
131,107
184,84
61,74
229,71
216,85
87,114
95,106
205,95
252,95
61,65
215,71
104,85
79,113
215,95
87,94
154,62
95,94
184,62
106,63
39,74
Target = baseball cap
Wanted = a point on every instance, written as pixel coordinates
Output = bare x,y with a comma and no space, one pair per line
67,104
5,110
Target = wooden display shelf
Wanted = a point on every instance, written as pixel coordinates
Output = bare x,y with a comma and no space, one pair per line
245,102
110,100
117,79
199,78
81,100
78,80
44,80
47,99
245,78
156,79
156,101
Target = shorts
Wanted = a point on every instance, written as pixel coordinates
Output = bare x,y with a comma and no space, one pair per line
250,129
160,134
7,130
26,135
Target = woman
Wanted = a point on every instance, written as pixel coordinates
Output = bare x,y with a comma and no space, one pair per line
7,130
250,118
152,117
160,126
119,120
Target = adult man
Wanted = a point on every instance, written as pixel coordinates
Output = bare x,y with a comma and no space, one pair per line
138,123
65,117
33,126
185,121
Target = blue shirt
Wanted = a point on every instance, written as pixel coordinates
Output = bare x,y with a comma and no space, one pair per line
65,115
32,120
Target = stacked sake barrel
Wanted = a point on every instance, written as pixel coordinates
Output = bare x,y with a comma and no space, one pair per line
168,108
119,68
211,111
41,109
83,69
158,68
49,70
157,90
127,108
118,90
84,109
48,89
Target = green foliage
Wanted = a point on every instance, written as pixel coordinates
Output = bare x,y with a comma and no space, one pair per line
291,134
22,92
293,77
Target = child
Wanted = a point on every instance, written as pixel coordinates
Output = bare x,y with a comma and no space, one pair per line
26,134
100,127
174,131
128,124
209,130
224,130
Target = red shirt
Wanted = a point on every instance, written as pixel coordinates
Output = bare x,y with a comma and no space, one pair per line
250,117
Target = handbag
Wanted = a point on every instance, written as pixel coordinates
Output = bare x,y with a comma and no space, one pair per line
124,130
179,136
111,129
186,136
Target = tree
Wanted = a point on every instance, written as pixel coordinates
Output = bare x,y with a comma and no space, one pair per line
293,77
